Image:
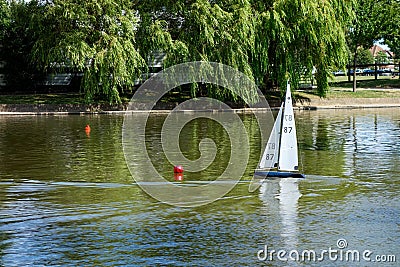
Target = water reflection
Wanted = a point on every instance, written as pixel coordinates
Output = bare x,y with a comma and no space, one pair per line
371,144
351,142
288,207
69,200
280,198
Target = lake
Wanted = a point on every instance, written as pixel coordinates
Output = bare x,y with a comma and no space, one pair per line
67,197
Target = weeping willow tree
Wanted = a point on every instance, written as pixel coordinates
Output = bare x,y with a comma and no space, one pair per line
294,37
112,42
270,41
95,37
200,30
222,33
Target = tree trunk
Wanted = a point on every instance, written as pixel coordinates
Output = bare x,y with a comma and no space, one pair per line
354,70
348,68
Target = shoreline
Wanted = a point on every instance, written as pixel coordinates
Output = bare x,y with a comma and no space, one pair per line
349,103
80,109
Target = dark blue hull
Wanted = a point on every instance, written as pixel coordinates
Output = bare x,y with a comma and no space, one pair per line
278,174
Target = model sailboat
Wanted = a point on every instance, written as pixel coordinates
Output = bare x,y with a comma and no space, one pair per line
280,158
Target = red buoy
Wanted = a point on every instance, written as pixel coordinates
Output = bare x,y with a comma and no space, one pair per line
178,169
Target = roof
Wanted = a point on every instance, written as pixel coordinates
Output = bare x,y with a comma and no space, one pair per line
377,48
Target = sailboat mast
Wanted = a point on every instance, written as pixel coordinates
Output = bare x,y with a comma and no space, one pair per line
280,128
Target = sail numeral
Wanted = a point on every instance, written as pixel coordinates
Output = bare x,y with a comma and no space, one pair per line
269,156
288,117
271,145
287,129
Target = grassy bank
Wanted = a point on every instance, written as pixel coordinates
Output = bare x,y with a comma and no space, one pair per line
366,82
367,87
340,93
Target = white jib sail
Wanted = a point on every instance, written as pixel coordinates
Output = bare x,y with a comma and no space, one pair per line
270,156
288,158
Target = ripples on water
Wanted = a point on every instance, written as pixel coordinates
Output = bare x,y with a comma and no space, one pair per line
68,199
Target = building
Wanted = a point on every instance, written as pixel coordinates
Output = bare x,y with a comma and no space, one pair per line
377,48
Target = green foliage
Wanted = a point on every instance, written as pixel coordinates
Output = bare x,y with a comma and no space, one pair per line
96,37
292,37
17,41
374,20
211,32
381,57
391,30
4,18
364,28
364,56
269,41
112,42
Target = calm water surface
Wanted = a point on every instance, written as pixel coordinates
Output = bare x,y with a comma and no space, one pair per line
68,199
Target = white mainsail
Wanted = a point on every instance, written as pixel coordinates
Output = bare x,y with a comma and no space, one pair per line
270,156
280,153
288,158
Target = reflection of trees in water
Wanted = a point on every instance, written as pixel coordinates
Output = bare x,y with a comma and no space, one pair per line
52,158
372,143
331,143
349,142
190,137
321,137
57,147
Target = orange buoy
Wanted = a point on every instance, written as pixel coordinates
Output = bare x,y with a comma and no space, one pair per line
87,129
178,169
